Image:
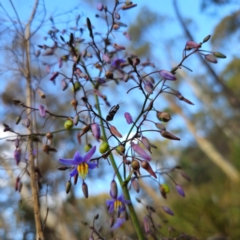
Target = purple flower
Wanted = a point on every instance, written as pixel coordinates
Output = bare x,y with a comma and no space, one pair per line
128,117
116,203
42,111
81,164
119,222
167,75
116,63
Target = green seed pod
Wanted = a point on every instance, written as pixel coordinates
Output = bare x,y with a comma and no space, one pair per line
120,149
68,186
103,147
87,147
219,55
76,87
68,124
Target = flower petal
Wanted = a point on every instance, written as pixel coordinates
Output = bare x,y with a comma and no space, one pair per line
89,154
73,172
78,158
67,161
92,165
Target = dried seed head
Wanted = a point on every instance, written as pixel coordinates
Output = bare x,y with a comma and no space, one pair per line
49,136
109,75
163,116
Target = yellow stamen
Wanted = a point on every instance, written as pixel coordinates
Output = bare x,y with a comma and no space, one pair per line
82,170
117,204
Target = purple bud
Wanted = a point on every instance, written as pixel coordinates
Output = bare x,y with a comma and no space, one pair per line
99,6
17,155
128,117
140,152
64,84
167,210
85,189
96,130
17,142
167,75
148,86
146,143
114,189
42,111
106,58
146,224
135,184
53,77
180,190
127,36
211,58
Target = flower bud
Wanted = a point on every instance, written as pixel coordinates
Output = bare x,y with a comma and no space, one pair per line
163,116
146,224
17,155
169,135
75,179
140,152
148,86
114,189
128,117
146,165
27,122
128,6
117,16
18,120
99,6
211,58
85,189
167,210
42,111
75,120
96,131
146,143
17,142
180,190
192,44
54,76
64,84
167,75
115,132
206,38
135,184
68,186
219,55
